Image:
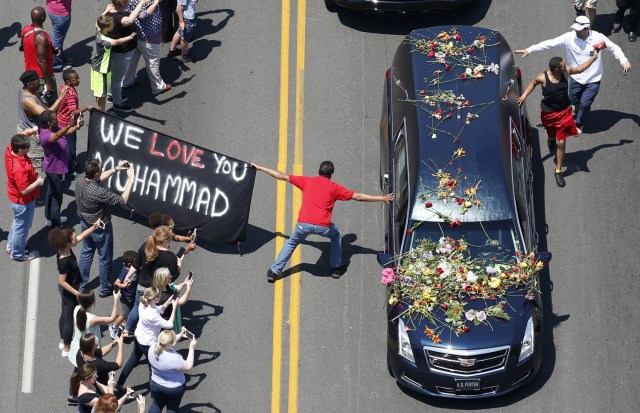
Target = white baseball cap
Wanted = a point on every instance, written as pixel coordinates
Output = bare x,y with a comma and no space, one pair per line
581,23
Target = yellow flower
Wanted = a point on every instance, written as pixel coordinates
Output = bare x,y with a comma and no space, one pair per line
523,264
503,275
393,300
426,293
427,271
495,283
468,204
539,265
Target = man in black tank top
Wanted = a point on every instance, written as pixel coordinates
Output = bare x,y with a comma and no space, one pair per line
556,111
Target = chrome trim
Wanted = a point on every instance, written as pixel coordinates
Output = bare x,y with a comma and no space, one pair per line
482,392
475,354
522,378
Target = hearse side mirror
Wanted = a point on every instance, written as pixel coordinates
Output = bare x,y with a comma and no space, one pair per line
385,260
543,256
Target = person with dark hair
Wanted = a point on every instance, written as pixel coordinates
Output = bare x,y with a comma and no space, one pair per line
90,353
556,106
157,219
128,289
86,388
149,327
23,185
56,164
153,254
167,371
319,194
38,52
59,12
94,202
63,240
70,113
579,43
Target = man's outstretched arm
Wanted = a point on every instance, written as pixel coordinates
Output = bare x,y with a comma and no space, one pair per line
372,198
276,174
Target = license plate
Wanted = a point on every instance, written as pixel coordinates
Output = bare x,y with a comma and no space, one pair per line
468,384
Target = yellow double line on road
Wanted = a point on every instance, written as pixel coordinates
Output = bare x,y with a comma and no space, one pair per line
294,279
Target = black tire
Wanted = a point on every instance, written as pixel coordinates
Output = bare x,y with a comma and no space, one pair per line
389,363
331,5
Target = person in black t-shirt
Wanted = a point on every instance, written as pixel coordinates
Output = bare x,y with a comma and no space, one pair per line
68,278
153,254
90,354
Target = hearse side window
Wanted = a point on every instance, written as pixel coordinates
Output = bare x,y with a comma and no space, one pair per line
401,185
517,173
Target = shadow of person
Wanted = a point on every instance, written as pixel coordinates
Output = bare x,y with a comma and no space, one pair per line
578,161
80,52
201,408
602,120
401,24
191,317
192,381
200,48
7,33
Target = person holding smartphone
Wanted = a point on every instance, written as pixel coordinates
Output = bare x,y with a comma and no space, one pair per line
167,370
153,254
162,281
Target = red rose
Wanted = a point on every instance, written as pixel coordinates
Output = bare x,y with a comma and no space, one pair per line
409,231
459,200
444,306
440,270
423,92
463,77
467,329
470,50
431,53
428,205
420,47
452,298
468,288
458,37
493,297
473,297
447,67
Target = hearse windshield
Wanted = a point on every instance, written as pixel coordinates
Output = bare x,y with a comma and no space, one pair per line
484,239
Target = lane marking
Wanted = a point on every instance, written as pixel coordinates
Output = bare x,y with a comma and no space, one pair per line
298,169
281,204
29,350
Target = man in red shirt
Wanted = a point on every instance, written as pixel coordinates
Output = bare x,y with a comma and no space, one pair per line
23,186
319,194
38,53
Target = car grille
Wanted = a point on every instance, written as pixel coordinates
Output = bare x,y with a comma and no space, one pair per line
467,362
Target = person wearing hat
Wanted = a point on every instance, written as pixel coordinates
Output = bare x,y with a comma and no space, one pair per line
23,187
30,107
579,45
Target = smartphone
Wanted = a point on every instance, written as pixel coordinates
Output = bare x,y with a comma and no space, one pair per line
189,335
116,289
175,296
101,224
126,165
190,275
180,252
119,333
194,235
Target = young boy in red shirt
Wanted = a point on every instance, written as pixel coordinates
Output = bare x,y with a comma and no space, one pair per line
68,114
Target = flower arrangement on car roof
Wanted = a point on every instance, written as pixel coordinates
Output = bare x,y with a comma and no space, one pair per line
441,278
436,280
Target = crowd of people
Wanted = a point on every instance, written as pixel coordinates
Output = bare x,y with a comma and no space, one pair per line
40,161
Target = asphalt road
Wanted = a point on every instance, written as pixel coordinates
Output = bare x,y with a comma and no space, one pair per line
311,343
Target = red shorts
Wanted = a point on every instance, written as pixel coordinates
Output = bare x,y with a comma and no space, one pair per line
559,125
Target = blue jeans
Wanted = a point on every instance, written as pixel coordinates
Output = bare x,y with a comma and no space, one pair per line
102,241
169,397
53,199
60,27
119,66
301,232
139,350
582,95
132,319
22,220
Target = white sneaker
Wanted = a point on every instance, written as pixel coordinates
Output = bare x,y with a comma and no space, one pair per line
49,222
60,346
64,354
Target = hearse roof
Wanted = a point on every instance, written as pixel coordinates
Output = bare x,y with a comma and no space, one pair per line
485,139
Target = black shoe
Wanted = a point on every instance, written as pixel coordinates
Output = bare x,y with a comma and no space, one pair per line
173,53
71,402
633,36
560,179
337,272
551,143
105,294
123,108
271,276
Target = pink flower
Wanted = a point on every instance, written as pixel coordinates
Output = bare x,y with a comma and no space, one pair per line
387,276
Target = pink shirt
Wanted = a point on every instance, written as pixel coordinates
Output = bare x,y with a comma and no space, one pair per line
59,7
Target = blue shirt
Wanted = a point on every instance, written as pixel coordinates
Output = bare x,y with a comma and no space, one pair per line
165,369
149,27
130,291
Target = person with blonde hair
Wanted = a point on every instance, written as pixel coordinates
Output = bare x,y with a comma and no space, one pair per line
153,254
149,327
162,281
167,371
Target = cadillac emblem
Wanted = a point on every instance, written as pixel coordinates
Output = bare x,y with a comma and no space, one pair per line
467,362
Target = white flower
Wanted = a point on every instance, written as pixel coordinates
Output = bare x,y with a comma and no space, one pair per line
471,277
433,136
494,68
468,72
442,239
491,270
481,316
478,68
439,54
446,268
470,315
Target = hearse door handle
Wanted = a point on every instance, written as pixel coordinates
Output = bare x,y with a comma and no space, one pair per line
506,92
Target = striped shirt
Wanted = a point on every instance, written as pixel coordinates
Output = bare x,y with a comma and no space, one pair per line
68,104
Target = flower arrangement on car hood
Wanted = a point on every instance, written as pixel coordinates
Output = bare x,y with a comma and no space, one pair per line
438,279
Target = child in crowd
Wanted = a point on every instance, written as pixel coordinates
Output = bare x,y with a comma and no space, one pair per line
186,28
55,165
100,62
128,292
68,113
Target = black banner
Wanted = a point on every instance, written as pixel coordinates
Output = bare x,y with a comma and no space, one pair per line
198,188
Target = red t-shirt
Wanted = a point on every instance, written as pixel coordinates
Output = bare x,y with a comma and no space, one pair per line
30,53
68,104
319,194
20,174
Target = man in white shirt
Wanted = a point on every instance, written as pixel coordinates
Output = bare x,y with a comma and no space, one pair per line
579,45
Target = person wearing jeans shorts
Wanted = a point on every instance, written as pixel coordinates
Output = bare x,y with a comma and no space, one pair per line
186,28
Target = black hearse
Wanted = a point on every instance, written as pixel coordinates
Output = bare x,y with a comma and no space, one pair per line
472,106
394,5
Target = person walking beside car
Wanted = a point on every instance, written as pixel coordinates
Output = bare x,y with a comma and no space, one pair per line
579,45
634,17
556,106
319,194
94,202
